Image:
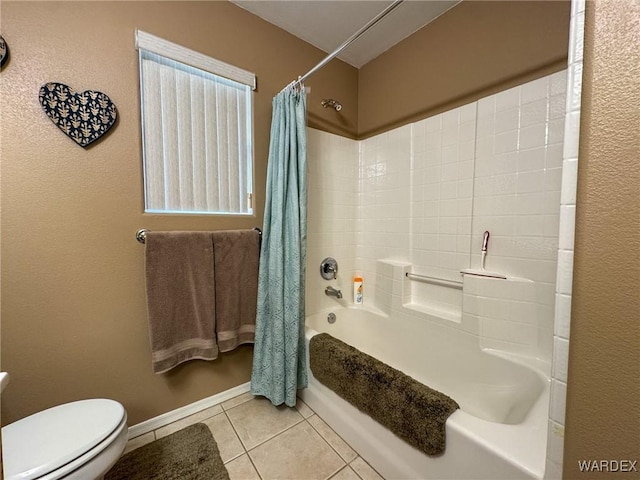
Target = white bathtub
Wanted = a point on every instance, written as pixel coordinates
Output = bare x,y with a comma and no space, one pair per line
500,430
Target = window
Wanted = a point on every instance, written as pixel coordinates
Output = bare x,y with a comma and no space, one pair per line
196,131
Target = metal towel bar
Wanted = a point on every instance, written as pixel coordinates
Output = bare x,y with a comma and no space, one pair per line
435,281
141,235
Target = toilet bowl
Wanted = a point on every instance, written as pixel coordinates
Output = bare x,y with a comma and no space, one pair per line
75,441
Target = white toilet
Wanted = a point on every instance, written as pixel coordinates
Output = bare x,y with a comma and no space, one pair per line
79,440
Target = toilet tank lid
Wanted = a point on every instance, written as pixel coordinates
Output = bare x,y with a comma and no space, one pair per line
47,440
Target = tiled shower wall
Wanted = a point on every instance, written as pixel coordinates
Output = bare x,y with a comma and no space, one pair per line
423,195
332,213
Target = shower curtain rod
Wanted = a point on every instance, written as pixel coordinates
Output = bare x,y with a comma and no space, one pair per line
347,42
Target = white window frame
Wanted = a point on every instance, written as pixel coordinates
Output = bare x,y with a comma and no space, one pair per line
169,50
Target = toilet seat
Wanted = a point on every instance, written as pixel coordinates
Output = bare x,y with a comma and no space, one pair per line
59,440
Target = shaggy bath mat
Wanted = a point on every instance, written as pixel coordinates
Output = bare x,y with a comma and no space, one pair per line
411,410
189,454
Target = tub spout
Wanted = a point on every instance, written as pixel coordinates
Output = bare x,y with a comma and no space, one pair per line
332,292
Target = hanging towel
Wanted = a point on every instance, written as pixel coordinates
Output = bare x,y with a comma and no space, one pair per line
236,258
180,303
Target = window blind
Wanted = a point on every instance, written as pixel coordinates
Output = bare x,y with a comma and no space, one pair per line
196,139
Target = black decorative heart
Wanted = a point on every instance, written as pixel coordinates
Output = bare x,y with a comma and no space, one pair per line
84,117
4,51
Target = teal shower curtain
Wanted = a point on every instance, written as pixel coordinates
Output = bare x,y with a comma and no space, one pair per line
279,356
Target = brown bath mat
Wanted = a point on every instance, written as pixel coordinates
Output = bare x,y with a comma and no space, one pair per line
189,454
411,410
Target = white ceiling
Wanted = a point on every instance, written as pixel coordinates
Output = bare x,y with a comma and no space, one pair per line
326,24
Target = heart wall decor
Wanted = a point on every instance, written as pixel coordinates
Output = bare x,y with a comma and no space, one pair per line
4,51
84,116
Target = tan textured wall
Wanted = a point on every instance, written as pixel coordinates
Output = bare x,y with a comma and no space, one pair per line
603,397
73,302
475,49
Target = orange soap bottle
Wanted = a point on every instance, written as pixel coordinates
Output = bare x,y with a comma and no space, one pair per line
358,297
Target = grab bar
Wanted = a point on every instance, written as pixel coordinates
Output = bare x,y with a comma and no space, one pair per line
141,235
435,281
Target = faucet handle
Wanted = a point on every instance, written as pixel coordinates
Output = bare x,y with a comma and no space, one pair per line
329,268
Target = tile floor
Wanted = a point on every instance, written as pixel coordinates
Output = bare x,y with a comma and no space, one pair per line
258,441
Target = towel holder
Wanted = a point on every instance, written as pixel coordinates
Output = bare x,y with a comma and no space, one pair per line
141,235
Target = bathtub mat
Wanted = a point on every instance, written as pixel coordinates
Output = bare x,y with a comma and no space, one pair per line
188,454
411,410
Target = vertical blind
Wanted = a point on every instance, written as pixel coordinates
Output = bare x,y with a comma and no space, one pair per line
196,139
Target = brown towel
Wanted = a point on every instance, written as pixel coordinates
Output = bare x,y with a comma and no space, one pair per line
180,303
236,254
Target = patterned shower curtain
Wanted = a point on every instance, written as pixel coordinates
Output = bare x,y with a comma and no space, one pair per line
279,356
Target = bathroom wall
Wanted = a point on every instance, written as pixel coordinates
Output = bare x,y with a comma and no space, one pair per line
73,299
603,391
476,49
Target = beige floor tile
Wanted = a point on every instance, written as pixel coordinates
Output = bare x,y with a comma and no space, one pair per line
138,442
332,438
242,469
258,420
245,397
303,409
364,470
190,420
226,438
346,474
298,453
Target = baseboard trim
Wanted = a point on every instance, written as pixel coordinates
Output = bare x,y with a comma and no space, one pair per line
182,412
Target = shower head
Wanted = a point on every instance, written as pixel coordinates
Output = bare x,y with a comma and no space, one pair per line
330,102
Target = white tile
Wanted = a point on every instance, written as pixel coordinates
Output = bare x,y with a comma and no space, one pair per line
506,142
574,88
507,99
562,322
507,120
571,135
533,136
558,83
569,182
558,401
560,358
486,106
535,90
564,279
529,182
531,159
557,107
555,442
553,156
576,42
567,227
534,113
555,131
